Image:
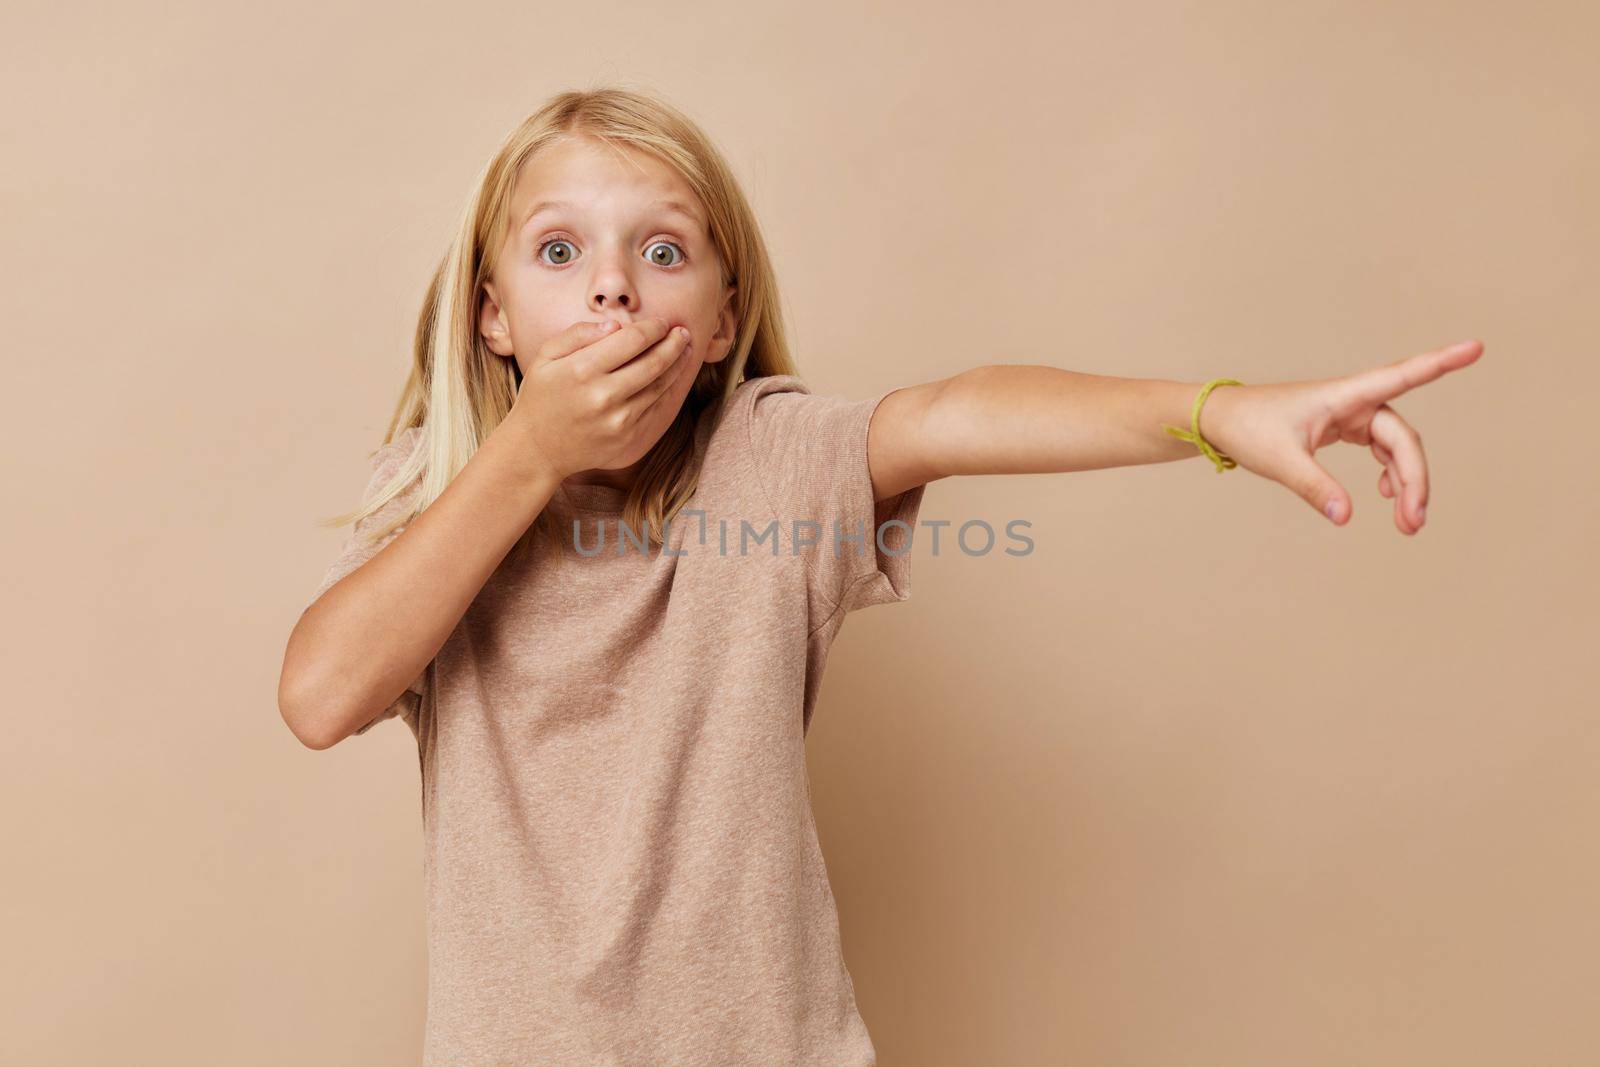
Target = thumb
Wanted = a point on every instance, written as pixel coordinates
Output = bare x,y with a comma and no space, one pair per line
1318,488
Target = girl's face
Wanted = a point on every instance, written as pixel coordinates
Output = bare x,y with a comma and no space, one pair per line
604,240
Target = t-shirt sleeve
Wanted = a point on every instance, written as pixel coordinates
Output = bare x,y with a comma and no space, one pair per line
810,454
360,547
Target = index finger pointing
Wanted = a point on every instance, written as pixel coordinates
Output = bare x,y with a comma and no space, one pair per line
1382,384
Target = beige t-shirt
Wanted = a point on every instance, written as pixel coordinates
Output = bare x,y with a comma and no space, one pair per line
620,857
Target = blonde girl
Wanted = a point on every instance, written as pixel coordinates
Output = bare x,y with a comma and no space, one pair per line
620,858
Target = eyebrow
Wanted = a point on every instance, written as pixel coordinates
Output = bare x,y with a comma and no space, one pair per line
673,207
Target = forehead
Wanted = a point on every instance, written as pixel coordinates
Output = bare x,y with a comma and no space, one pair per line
584,175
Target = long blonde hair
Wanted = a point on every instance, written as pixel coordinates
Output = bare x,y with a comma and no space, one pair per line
458,391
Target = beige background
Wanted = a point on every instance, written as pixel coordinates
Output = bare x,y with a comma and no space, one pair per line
1204,780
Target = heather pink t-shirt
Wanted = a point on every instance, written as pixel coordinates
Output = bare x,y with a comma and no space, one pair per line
620,858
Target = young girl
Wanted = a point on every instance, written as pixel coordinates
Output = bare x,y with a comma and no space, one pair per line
621,862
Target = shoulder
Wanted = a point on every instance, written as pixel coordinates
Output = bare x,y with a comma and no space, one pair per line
403,443
777,421
793,439
389,459
780,410
392,453
751,403
779,413
780,404
751,390
739,431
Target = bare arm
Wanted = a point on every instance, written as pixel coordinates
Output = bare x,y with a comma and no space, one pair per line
1028,419
588,397
355,650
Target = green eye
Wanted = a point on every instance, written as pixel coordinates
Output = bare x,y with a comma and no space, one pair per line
656,259
556,241
660,259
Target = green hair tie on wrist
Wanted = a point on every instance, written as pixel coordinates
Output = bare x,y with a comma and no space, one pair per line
1193,436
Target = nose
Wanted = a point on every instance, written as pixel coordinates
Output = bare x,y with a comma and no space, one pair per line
612,292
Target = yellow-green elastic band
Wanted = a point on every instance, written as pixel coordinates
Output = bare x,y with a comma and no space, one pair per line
1192,435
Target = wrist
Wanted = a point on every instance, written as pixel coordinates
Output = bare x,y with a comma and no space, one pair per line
1216,413
1207,419
516,454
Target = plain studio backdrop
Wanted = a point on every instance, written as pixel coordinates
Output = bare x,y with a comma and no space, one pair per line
1202,780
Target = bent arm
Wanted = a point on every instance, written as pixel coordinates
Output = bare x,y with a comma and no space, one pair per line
1029,419
356,649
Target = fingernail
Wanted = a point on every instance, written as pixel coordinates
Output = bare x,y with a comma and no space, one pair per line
1422,512
1329,508
683,334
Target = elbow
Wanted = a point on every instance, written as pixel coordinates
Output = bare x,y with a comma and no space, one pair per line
307,700
303,720
305,709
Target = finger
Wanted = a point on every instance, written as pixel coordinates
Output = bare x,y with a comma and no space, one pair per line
1404,444
668,389
616,348
574,338
652,365
1318,488
1382,384
1387,480
1390,484
686,366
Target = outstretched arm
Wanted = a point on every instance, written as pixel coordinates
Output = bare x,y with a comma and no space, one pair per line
1027,419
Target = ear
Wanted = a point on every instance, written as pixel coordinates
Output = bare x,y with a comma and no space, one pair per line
492,323
727,330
